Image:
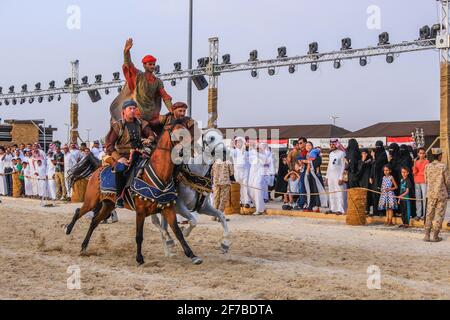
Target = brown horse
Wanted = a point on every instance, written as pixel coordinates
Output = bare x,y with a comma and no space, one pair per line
102,205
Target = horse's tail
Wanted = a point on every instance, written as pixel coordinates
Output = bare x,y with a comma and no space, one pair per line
83,169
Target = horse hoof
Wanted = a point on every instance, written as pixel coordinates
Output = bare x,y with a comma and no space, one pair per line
140,260
197,260
170,243
224,248
66,229
83,253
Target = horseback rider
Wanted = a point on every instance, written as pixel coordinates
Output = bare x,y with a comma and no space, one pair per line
147,89
123,142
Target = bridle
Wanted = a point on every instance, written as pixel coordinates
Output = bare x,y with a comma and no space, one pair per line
173,138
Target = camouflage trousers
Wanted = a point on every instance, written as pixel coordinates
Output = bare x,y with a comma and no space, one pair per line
221,196
435,215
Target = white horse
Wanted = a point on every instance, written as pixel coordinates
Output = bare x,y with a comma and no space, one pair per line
190,201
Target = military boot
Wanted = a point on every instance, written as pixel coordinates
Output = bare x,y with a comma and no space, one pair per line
427,236
436,237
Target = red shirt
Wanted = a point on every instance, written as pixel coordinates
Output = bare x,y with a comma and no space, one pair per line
130,73
419,170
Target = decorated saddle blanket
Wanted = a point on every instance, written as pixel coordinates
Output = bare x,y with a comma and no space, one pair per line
201,184
107,180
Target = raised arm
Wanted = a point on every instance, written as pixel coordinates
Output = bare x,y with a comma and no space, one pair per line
129,70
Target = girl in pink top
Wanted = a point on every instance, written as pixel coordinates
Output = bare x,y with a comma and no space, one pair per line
419,179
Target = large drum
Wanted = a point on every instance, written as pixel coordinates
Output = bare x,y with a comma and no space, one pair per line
234,205
78,190
356,213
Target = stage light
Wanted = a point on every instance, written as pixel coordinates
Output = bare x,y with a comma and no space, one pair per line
177,66
173,83
84,80
313,48
50,98
67,82
31,100
292,68
14,101
253,56
363,61
24,88
11,89
389,58
59,97
203,62
314,66
424,33
157,69
254,73
106,91
346,44
94,95
22,100
40,99
435,29
282,52
1,90
383,39
271,71
1,103
226,59
337,64
51,85
37,86
7,102
119,89
116,76
98,78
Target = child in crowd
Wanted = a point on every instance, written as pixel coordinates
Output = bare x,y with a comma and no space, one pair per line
293,180
405,195
387,199
300,168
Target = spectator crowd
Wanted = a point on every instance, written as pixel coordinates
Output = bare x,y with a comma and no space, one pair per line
28,171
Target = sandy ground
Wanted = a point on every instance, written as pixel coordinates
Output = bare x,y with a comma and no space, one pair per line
270,258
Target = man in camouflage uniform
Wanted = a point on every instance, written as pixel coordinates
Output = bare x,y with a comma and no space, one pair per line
438,180
221,174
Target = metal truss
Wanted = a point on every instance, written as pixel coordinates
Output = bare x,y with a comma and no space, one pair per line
214,69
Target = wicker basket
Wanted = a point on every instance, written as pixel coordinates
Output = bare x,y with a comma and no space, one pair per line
16,185
78,190
234,204
356,213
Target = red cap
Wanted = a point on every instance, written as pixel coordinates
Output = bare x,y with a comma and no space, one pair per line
149,58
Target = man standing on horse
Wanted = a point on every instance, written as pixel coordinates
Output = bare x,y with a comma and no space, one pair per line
123,139
147,89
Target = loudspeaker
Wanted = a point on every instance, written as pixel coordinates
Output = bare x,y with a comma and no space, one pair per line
200,82
94,95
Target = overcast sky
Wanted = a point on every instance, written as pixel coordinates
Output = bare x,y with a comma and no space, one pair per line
37,46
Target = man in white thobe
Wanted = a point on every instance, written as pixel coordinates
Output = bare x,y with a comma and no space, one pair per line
95,150
3,190
70,161
240,157
256,180
335,177
51,170
41,175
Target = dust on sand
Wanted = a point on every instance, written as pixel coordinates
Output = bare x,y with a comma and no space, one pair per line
270,258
